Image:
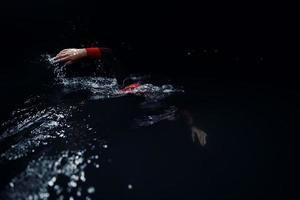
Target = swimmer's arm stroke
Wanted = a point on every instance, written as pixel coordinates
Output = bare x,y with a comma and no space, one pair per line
70,55
198,135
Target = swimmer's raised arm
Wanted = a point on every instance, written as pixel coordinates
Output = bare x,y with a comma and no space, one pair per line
68,56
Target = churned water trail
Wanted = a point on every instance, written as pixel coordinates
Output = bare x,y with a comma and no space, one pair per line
57,141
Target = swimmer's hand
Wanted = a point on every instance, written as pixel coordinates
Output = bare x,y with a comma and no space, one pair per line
68,56
198,134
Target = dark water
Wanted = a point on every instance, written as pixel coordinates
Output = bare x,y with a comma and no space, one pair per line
81,138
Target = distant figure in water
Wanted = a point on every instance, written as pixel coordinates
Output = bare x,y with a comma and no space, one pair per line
71,55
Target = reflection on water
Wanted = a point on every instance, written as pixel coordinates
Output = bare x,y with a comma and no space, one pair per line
57,141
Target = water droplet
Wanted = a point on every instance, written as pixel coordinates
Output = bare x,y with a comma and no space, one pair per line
78,161
74,177
72,184
52,181
91,190
82,176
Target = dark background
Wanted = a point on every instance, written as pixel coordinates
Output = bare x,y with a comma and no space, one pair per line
248,39
239,46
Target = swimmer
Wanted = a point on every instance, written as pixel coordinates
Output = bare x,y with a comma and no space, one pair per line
71,55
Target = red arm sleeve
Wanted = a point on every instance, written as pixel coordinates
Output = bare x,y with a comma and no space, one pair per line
93,52
96,52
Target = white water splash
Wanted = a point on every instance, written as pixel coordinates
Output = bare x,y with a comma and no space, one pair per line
38,125
43,173
102,88
37,130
